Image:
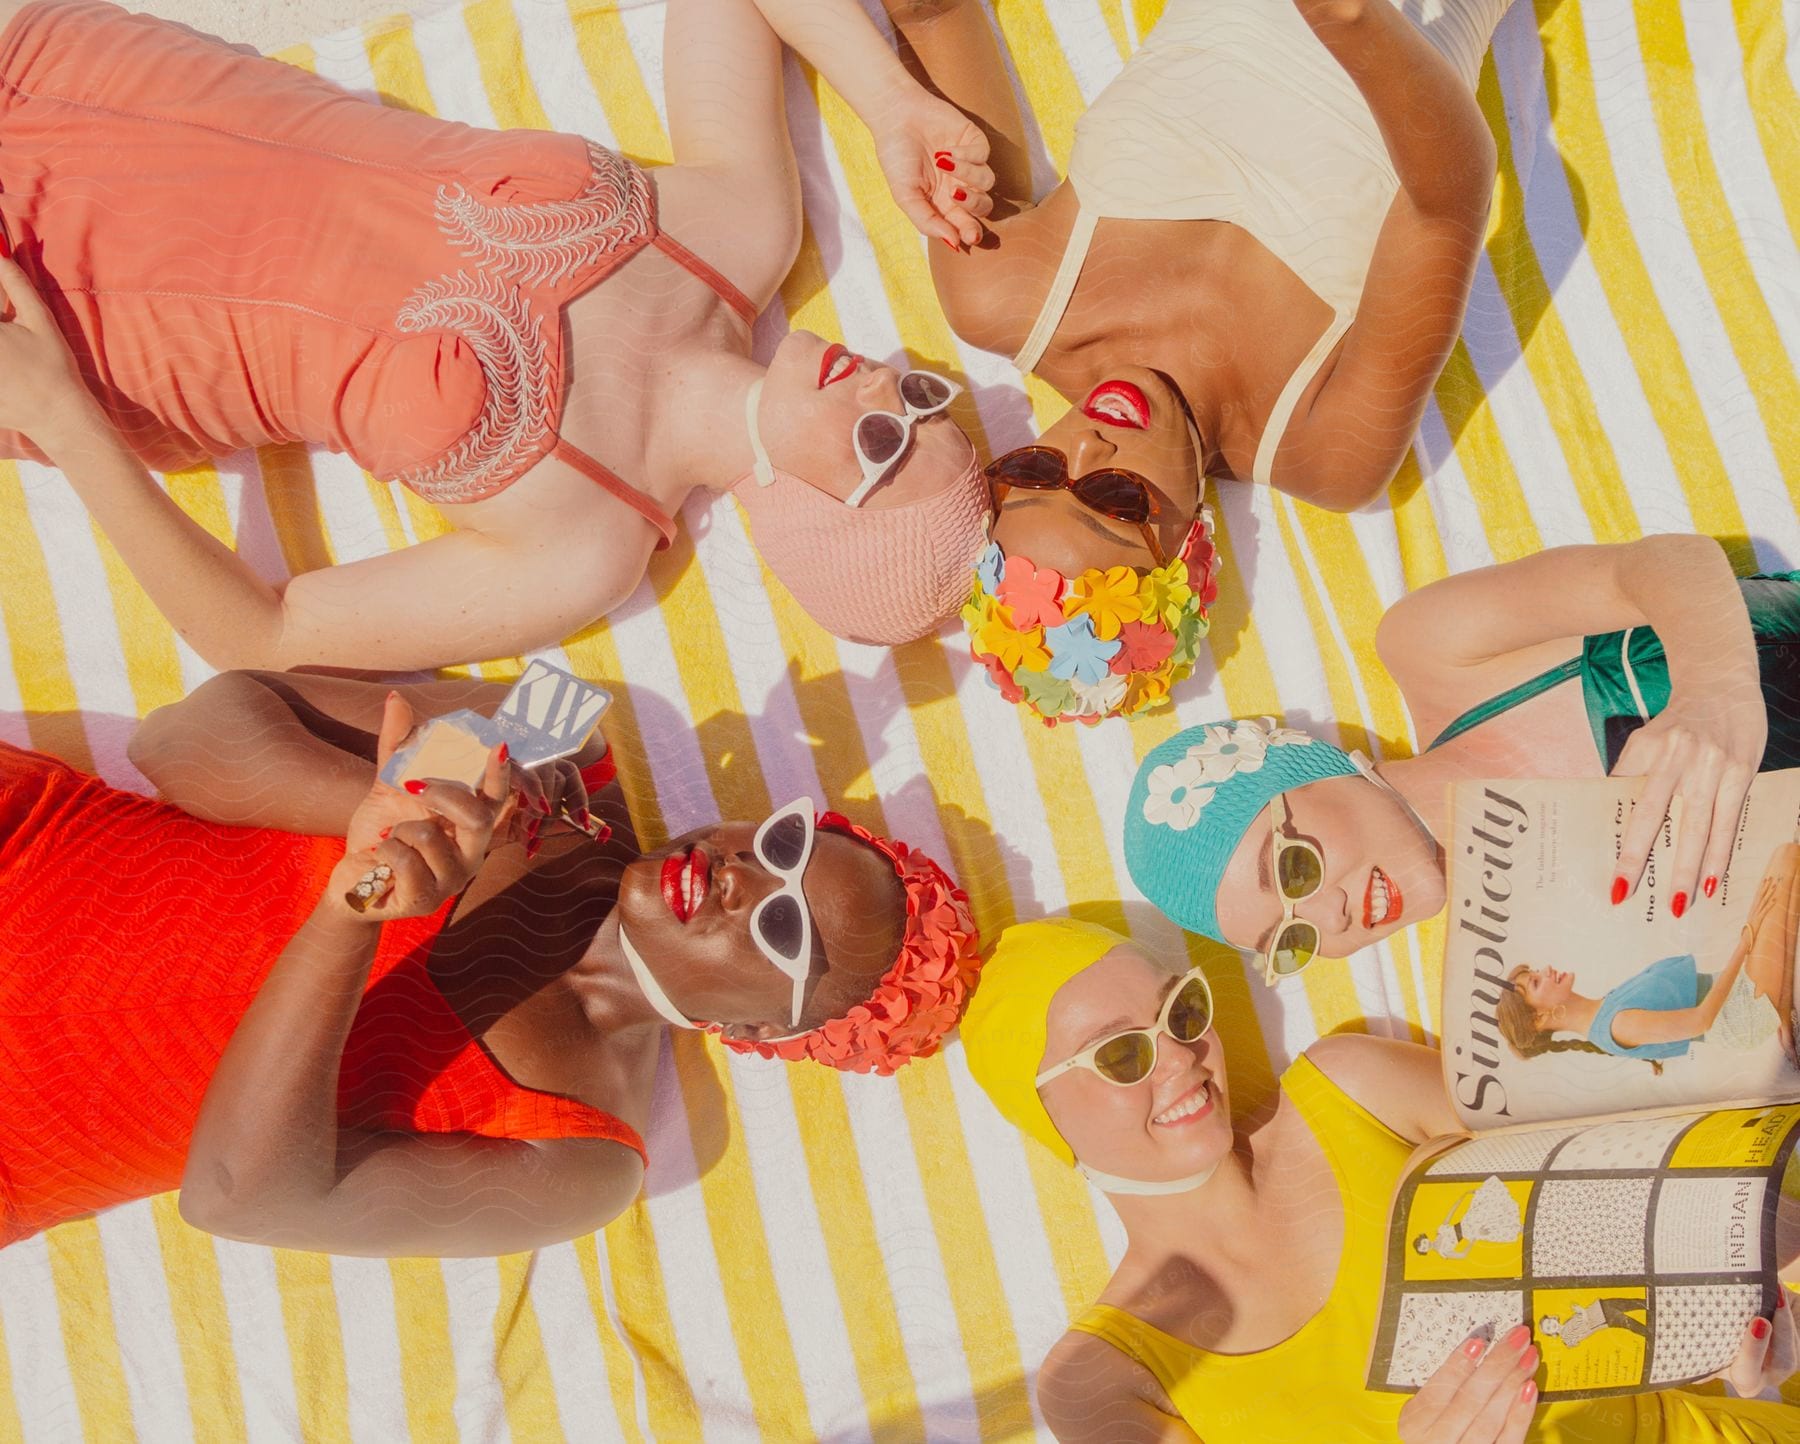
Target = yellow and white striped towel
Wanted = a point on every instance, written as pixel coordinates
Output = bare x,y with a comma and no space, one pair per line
834,1258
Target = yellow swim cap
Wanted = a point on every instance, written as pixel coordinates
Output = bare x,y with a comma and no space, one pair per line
1003,1031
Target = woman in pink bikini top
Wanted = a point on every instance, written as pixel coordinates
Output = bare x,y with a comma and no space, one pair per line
231,252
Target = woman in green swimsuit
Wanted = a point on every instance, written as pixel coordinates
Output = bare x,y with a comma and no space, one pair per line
1647,658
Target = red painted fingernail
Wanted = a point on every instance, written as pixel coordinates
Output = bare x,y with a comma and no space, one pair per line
581,816
959,194
1710,886
1529,1392
1759,1329
1620,888
1679,905
944,162
1781,1298
383,833
505,752
532,845
1475,1347
948,242
415,786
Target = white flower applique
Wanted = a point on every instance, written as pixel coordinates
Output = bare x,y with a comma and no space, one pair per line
1177,792
1176,795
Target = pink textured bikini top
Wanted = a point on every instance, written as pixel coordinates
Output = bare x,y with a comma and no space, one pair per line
242,253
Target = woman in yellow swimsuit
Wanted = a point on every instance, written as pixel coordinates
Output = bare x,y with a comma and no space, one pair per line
1245,1302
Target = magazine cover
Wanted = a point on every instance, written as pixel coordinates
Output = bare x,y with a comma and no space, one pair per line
1559,1004
1637,1250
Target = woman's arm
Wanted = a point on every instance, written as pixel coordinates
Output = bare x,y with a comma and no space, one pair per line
296,751
1343,449
933,156
459,597
1447,643
268,1161
1091,1393
1632,1027
1435,133
284,749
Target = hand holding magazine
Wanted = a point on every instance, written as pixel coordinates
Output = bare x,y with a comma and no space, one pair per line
1630,1085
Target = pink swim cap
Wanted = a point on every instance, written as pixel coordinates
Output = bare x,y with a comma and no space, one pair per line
881,577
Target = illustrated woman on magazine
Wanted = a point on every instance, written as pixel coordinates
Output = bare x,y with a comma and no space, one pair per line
1255,268
1245,1303
546,341
202,998
1646,658
1488,1214
1660,1011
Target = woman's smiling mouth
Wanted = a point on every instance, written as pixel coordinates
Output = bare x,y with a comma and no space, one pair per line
1381,899
1118,403
838,362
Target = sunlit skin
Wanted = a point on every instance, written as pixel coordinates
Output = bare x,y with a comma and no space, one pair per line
709,966
1370,845
1055,530
814,394
1126,1131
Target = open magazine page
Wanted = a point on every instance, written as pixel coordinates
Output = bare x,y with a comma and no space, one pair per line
1558,1004
1637,1250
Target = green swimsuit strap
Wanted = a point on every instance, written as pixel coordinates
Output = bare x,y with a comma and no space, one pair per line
1510,698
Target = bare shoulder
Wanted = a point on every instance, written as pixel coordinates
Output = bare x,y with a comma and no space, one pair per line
1400,1083
991,294
725,216
1091,1392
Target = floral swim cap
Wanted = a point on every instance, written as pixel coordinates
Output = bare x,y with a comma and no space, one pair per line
1196,796
1104,644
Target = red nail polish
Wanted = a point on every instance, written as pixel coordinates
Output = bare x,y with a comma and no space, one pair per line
1679,904
1620,887
1759,1329
383,834
1529,1392
959,194
1710,886
1781,1297
415,785
944,162
505,752
948,242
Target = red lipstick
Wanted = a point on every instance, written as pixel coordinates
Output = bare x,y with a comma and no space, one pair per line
685,881
1118,403
1375,913
835,353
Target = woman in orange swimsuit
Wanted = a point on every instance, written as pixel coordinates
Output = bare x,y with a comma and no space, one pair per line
236,253
188,1001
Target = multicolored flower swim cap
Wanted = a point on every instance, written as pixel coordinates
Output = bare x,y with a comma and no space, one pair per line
1195,797
1104,644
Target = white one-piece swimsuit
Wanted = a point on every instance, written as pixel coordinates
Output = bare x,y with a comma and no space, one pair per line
1233,110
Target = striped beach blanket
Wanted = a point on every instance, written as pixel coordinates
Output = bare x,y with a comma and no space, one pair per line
844,1258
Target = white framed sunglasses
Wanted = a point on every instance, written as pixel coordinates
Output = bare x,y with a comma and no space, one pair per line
781,924
881,438
1298,868
1128,1057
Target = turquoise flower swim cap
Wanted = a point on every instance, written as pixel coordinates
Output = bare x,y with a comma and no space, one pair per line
1195,797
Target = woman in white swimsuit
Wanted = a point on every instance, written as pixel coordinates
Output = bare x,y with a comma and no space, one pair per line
1255,268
